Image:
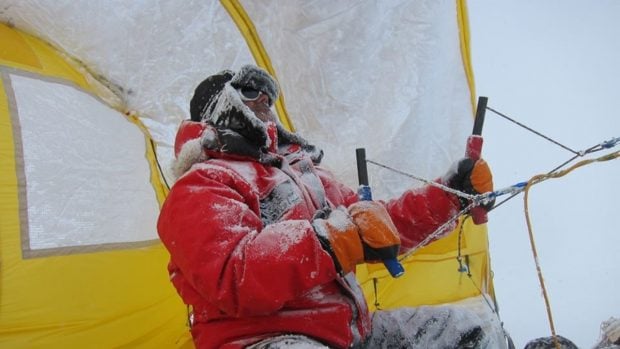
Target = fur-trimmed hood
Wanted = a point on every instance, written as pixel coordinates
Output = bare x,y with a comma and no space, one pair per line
217,101
198,141
222,125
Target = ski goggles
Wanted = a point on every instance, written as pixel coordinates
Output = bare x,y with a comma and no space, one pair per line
250,94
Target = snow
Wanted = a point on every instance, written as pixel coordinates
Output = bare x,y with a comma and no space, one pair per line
424,327
286,237
228,100
288,341
339,219
610,334
438,327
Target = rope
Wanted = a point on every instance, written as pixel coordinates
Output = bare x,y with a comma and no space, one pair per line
437,232
459,256
536,261
476,200
595,148
514,190
533,131
465,268
163,176
533,181
604,145
426,181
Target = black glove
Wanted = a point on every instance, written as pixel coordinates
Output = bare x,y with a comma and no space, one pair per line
236,145
472,177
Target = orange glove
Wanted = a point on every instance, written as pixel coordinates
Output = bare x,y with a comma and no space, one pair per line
364,233
472,177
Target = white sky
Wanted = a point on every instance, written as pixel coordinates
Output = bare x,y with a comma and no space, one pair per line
553,66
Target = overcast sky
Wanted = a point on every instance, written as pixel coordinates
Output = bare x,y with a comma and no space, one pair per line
552,65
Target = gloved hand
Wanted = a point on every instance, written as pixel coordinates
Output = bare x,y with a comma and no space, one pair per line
363,232
471,177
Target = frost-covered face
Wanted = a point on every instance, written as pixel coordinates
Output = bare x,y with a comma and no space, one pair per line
261,106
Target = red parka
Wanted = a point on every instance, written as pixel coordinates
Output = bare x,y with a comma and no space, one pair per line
244,255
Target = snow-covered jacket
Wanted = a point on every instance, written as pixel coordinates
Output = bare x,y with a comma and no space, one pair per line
244,255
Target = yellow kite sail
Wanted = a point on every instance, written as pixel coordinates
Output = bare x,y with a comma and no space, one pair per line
84,152
69,279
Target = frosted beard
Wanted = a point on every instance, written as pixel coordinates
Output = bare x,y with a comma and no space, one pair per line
245,132
228,111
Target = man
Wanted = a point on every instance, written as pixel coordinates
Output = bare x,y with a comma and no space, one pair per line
263,241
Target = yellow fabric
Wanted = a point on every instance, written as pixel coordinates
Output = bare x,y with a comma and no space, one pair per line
123,298
113,299
432,274
463,22
247,29
15,49
157,179
25,52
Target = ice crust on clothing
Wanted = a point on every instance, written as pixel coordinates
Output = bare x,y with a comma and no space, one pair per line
288,341
610,334
366,224
340,219
229,100
470,323
281,241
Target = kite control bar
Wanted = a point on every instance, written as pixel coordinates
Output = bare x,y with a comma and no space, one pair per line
365,194
473,151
